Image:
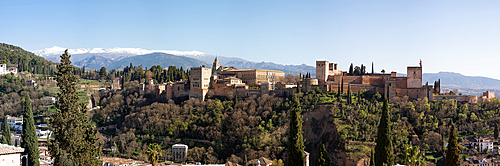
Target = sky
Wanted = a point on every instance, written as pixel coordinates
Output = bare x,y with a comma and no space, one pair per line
454,36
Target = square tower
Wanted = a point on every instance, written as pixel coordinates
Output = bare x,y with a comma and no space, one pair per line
200,82
322,71
414,77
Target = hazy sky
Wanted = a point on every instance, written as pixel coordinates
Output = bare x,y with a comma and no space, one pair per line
457,36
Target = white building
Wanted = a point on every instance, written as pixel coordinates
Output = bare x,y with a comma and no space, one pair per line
10,155
43,134
483,143
13,120
179,152
4,70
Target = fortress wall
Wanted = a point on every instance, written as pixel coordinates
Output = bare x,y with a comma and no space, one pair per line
461,98
412,93
376,80
401,82
352,80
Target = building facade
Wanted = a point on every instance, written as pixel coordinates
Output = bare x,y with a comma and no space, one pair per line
179,152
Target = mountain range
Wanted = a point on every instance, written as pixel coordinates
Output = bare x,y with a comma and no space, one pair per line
116,58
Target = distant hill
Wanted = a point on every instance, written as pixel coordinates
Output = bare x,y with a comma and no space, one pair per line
289,69
457,79
162,59
94,62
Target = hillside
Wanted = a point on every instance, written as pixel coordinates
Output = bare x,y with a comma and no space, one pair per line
161,59
24,60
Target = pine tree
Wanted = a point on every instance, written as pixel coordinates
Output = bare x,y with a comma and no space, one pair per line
384,149
75,139
372,158
453,154
6,133
295,138
29,137
322,158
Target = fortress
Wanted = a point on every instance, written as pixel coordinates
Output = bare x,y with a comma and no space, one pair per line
229,82
330,78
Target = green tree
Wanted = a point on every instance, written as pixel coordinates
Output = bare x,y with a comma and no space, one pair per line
295,137
322,158
453,154
349,95
412,156
373,71
495,131
153,152
29,137
75,139
351,70
245,161
298,87
342,87
103,72
384,149
372,158
6,133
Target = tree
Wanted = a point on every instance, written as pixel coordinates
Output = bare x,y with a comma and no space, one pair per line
453,154
351,69
298,87
245,161
495,131
373,71
322,158
295,138
6,133
103,72
153,152
29,137
342,86
372,158
349,95
75,139
412,156
384,149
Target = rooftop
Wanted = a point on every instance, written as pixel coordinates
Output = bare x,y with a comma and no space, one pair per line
9,149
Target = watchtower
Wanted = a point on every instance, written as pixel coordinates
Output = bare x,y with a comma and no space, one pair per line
414,76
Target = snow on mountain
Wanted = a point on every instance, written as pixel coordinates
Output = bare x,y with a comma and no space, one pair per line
56,51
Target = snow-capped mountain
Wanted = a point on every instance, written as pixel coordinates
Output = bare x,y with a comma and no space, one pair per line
56,51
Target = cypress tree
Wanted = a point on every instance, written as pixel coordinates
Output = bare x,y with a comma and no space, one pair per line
338,91
295,138
245,161
342,86
372,158
373,71
453,154
29,137
384,149
349,97
298,87
322,158
6,133
495,131
75,139
351,69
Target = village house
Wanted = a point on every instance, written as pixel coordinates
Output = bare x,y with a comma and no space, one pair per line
4,70
31,83
483,144
179,152
14,120
10,155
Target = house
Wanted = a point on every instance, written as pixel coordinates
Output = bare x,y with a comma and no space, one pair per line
13,120
10,155
49,100
4,70
179,152
31,83
116,161
483,144
260,162
475,162
43,134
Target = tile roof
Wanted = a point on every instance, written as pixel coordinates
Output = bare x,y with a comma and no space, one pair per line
9,149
